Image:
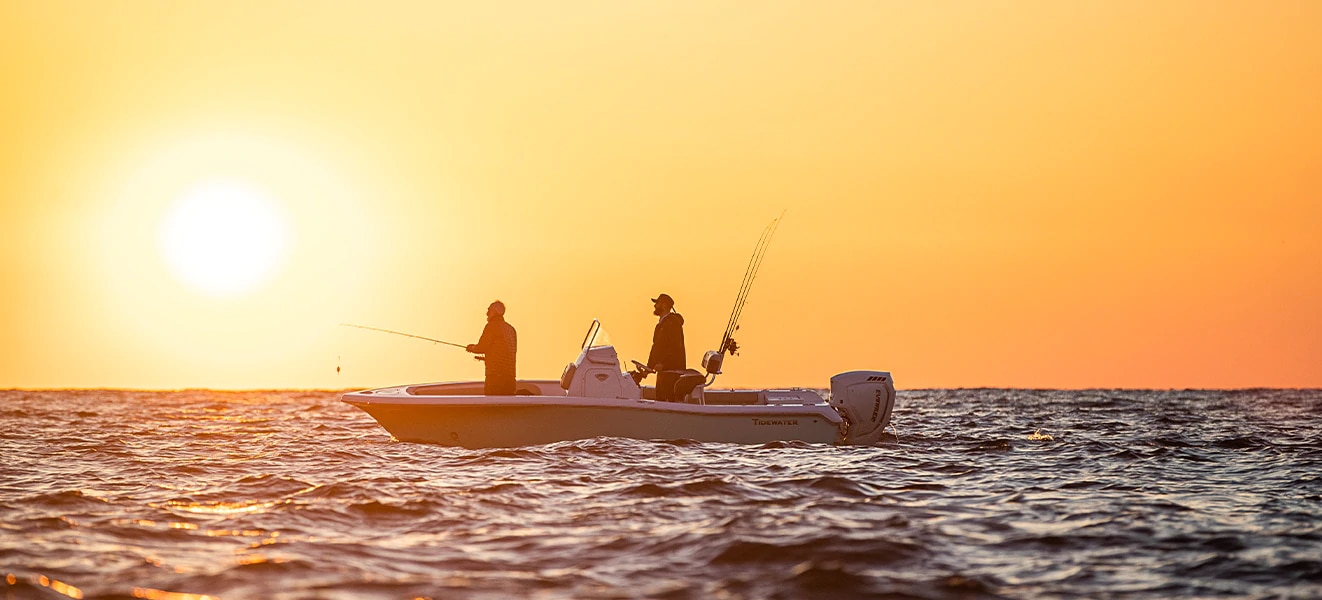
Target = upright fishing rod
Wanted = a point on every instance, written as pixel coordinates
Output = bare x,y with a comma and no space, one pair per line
405,335
754,263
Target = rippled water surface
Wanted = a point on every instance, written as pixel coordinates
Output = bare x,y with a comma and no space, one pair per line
982,494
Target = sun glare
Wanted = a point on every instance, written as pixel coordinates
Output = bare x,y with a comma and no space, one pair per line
224,238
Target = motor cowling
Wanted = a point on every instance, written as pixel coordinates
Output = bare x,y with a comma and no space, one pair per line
865,400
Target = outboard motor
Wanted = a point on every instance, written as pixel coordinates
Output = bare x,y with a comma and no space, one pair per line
865,400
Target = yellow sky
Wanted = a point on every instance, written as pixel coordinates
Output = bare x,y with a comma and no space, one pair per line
1039,194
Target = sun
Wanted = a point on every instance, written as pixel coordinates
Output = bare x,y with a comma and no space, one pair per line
224,238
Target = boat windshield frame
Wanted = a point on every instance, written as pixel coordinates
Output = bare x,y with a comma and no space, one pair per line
593,331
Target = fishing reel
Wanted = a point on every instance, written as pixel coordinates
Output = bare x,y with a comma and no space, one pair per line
713,359
731,346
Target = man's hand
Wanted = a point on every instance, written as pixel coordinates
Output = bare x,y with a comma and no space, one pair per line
471,348
637,377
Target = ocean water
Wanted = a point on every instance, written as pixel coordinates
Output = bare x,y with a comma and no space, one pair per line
981,494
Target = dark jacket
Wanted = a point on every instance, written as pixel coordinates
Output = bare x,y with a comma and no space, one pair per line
499,342
668,344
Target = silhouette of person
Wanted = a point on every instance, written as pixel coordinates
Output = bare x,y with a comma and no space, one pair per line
667,356
498,344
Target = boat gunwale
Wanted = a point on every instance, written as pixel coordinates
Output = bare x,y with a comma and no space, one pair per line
396,396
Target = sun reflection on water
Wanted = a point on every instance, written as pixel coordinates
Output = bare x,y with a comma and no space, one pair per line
53,584
218,508
234,533
154,594
257,559
1038,436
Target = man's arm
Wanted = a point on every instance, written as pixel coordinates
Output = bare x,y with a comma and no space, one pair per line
483,344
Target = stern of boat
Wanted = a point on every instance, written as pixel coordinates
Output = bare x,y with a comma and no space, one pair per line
865,400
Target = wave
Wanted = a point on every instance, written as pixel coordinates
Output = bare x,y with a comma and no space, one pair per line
293,494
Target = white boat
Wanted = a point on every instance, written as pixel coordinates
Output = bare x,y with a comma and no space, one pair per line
595,398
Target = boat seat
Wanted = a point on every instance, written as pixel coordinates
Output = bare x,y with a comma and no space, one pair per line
688,380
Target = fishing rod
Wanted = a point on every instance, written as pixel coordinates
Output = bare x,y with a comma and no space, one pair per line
405,335
750,273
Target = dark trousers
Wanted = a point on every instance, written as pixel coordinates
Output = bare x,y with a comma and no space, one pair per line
665,385
499,386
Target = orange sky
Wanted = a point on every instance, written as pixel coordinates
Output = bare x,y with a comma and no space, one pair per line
1036,194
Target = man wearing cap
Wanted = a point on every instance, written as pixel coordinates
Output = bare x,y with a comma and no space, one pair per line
667,357
498,343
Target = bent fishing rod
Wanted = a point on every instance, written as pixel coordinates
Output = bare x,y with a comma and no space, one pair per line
405,335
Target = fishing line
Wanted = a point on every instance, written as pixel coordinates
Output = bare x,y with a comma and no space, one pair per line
436,341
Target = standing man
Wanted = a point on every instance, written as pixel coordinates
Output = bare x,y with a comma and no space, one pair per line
498,343
667,357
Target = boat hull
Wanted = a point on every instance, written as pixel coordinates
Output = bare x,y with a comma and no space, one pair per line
513,421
